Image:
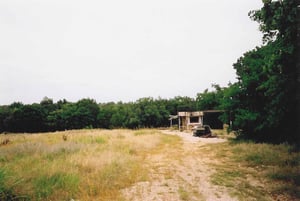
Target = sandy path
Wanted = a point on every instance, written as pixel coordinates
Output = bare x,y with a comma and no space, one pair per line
189,138
180,174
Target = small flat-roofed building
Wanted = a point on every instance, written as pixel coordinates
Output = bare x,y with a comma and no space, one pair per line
187,120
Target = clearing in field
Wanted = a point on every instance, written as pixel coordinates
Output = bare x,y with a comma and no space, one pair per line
145,164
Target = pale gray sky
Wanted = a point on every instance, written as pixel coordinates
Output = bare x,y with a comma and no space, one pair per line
120,50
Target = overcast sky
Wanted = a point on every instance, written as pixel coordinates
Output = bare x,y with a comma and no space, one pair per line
120,50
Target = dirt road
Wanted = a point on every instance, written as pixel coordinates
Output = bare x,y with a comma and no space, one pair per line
180,173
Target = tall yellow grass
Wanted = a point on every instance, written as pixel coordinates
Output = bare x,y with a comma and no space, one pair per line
79,164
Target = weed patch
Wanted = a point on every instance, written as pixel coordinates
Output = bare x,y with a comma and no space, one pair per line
276,165
46,185
7,191
226,178
288,174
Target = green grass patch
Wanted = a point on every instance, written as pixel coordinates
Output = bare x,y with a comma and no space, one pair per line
226,178
288,174
265,154
236,181
244,162
7,187
183,194
46,185
145,132
100,140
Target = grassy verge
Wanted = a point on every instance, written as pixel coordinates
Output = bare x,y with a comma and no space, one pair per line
7,187
254,171
79,165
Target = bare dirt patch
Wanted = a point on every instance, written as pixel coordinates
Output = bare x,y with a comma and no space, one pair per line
179,173
189,138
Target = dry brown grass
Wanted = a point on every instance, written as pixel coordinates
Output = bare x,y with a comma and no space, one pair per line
256,171
100,164
88,165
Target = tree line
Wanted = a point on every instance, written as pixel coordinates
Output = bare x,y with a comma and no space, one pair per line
87,113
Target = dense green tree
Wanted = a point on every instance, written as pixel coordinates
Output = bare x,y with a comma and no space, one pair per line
297,52
27,118
48,105
61,103
149,114
105,114
119,116
210,100
5,113
87,110
230,104
264,98
55,120
82,114
77,115
132,119
7,117
185,103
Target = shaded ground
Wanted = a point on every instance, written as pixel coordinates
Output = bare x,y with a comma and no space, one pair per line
180,174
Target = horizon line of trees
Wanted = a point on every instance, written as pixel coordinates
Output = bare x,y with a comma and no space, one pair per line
87,113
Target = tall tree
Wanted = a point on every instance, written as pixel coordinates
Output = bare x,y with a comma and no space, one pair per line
267,76
210,100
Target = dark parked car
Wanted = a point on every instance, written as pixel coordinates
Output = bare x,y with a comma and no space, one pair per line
202,131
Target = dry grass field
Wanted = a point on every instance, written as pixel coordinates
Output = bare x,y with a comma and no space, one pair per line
145,164
83,164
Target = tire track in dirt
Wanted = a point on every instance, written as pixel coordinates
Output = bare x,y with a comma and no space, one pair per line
179,173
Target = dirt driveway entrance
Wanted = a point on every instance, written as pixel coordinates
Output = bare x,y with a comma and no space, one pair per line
180,173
